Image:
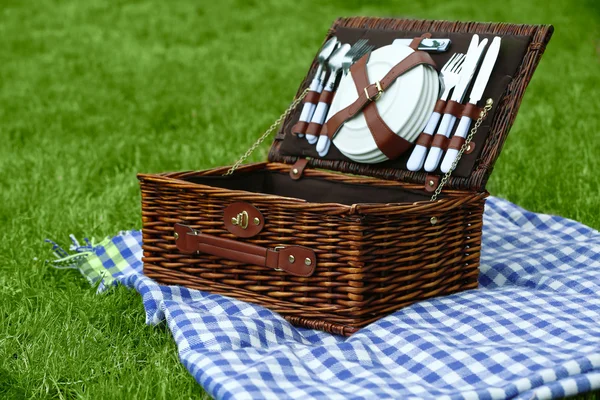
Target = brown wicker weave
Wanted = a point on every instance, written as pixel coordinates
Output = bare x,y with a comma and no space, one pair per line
373,258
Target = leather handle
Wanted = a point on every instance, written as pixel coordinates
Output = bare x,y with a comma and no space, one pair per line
296,260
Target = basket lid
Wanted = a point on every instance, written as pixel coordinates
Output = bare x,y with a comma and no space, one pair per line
521,50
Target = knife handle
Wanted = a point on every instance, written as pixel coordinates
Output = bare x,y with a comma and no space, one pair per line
435,153
320,113
308,109
318,119
417,157
461,131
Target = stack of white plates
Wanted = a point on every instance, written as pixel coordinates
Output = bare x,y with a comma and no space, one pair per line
405,106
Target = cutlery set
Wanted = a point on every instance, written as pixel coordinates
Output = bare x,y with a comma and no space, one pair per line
411,107
334,58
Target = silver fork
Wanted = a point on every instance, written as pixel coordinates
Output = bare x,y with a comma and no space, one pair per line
450,74
354,54
324,142
448,77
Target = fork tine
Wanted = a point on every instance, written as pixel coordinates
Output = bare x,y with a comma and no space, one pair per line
362,52
459,65
450,62
357,47
459,61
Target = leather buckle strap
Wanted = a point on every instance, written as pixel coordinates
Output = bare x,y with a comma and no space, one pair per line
373,90
295,260
369,91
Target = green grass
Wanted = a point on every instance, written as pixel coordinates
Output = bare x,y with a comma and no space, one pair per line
93,92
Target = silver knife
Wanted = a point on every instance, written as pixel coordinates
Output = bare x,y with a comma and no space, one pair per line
448,120
480,83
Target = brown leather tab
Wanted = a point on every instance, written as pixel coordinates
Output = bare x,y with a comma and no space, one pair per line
297,169
326,97
470,147
243,219
299,127
454,108
456,142
359,69
312,97
314,129
424,140
439,107
440,141
296,260
417,41
431,183
181,239
471,111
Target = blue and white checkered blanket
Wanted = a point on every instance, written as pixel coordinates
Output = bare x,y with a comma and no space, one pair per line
532,330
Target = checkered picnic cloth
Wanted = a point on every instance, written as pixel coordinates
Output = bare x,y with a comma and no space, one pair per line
532,330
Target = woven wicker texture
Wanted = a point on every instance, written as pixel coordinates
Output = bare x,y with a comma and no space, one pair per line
372,258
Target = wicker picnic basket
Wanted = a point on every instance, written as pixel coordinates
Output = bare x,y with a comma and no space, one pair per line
339,247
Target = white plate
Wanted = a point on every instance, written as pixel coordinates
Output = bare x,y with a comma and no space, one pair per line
417,123
421,115
395,107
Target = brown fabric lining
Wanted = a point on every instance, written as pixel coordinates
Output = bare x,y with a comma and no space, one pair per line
311,189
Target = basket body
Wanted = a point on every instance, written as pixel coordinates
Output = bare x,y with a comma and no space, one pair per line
372,258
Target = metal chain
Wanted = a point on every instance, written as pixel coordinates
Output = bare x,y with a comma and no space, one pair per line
484,112
268,132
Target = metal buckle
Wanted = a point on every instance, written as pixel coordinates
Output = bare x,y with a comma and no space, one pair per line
378,95
277,248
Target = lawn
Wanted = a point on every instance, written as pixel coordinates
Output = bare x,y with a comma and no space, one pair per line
93,92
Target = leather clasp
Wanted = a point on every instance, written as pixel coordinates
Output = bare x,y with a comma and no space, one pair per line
243,219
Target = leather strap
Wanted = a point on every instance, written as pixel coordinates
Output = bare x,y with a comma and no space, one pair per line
297,169
424,140
439,107
299,127
453,108
460,110
292,259
431,183
471,111
313,129
326,97
440,141
456,142
386,139
312,97
417,41
373,90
